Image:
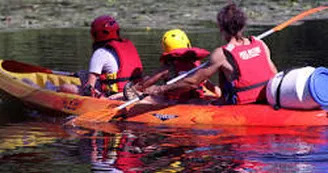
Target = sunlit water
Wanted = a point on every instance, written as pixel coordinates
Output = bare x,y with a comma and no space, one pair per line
31,141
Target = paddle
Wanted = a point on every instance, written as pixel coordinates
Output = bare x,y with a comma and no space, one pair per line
16,66
65,73
107,115
292,20
167,83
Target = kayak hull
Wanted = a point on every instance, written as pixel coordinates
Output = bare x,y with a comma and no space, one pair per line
12,82
251,115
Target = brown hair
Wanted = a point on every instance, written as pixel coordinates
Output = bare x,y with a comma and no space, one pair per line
231,20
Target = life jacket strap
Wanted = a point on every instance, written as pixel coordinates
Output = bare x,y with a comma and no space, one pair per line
236,90
113,81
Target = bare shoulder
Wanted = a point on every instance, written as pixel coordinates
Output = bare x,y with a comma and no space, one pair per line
217,57
261,41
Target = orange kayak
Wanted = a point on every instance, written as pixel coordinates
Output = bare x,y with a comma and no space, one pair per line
13,77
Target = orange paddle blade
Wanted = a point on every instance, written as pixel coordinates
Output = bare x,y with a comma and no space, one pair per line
298,17
103,115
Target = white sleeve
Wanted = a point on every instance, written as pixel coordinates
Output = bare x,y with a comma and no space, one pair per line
103,60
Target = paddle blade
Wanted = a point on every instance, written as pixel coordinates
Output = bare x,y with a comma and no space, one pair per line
103,115
298,17
292,20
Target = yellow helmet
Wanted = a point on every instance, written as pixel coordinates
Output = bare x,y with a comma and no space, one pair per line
175,39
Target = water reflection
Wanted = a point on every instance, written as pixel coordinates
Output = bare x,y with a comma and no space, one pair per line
35,147
144,148
131,147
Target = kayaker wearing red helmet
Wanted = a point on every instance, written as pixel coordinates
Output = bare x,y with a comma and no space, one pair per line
244,64
178,57
114,61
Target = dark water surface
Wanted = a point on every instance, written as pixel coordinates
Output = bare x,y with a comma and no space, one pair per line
30,143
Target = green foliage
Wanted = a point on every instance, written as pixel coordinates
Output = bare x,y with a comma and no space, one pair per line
111,2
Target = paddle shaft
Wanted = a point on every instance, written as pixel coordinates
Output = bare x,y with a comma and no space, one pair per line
65,73
167,83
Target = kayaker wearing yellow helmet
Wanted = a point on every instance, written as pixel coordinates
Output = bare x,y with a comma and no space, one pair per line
175,39
178,57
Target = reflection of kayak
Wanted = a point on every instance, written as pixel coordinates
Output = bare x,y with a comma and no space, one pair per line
13,75
18,136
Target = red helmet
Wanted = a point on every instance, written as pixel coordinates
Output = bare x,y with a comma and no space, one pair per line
104,28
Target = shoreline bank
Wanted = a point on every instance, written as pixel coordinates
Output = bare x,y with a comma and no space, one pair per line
146,14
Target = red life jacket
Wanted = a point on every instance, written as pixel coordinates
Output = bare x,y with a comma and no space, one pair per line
127,161
130,67
252,71
188,58
194,53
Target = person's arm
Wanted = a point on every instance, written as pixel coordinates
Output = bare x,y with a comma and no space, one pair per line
162,73
89,87
92,78
100,59
268,54
193,81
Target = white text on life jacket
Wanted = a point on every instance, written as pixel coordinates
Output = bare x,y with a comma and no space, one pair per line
250,53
